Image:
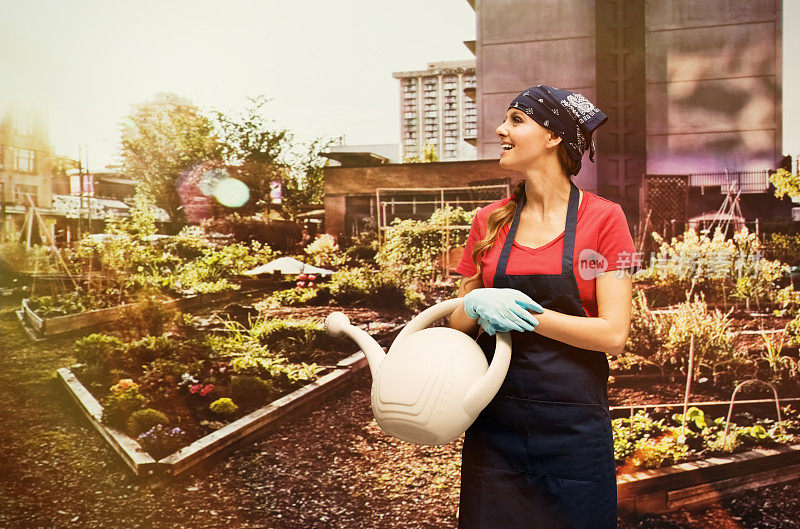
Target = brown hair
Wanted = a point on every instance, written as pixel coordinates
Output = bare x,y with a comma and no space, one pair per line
505,214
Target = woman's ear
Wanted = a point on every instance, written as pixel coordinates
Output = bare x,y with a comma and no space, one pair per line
553,140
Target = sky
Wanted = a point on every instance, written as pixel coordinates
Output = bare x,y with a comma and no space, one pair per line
326,65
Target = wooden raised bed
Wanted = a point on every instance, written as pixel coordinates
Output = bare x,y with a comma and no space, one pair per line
139,461
698,483
39,328
234,434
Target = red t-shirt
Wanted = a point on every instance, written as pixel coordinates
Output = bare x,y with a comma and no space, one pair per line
603,242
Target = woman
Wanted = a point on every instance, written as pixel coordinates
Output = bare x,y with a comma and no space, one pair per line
541,454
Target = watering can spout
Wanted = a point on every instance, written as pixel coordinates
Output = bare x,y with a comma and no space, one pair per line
484,389
337,324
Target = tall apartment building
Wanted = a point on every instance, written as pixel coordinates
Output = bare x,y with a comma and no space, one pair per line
437,107
691,87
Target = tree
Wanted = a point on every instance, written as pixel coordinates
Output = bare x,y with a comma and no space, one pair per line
427,155
163,142
258,147
304,183
785,183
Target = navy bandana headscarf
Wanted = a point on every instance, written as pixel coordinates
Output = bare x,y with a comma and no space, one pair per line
570,115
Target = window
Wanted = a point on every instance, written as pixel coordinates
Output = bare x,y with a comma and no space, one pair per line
24,161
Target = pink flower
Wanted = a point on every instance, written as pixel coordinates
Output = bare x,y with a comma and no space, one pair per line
195,389
206,390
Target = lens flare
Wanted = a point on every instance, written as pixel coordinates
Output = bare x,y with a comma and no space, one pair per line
231,193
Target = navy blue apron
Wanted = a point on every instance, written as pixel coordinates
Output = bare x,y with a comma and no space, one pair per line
541,454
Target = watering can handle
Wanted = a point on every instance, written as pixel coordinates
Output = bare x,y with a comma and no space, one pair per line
427,317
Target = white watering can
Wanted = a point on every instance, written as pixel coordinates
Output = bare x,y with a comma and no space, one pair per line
433,383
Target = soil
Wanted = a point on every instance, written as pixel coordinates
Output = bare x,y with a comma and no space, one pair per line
332,468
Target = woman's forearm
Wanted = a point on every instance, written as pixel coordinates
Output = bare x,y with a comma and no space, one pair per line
460,321
595,334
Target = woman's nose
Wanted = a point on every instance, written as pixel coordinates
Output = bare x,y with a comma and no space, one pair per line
501,130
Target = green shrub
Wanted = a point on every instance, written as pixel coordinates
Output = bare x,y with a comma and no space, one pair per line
151,348
412,246
362,254
291,297
223,406
117,407
759,286
250,391
324,251
95,348
291,337
374,288
648,331
715,266
142,420
146,317
714,344
160,377
783,247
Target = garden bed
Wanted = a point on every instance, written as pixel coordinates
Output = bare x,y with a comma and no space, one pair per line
39,328
231,435
260,387
698,483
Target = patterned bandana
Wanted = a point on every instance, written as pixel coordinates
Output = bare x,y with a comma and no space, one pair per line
570,115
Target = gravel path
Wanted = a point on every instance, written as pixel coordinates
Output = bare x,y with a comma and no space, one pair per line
332,468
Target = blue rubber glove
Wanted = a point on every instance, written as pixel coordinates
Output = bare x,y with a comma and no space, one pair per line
501,309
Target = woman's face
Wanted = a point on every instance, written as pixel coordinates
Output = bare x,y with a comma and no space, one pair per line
523,141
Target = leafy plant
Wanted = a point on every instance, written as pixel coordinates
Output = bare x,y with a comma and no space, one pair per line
714,266
648,331
714,344
780,366
628,431
118,406
785,183
291,337
412,246
142,420
160,378
223,406
302,373
291,297
95,348
251,391
362,286
324,251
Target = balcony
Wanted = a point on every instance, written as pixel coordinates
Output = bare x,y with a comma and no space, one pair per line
744,181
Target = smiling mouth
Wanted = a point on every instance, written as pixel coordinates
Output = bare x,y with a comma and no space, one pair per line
505,147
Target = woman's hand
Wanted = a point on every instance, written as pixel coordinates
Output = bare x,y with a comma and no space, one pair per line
501,309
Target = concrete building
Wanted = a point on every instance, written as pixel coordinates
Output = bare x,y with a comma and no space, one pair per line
26,163
691,87
437,108
355,155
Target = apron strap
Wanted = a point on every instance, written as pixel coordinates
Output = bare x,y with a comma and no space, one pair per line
569,233
512,232
569,230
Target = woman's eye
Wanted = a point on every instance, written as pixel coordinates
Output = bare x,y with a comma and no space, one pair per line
517,120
